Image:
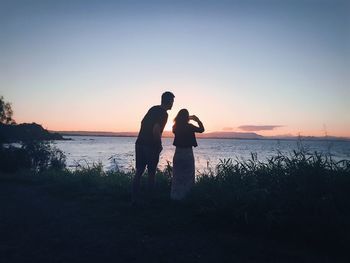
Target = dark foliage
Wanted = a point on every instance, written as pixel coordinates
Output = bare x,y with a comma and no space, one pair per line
289,209
303,196
13,159
6,112
33,155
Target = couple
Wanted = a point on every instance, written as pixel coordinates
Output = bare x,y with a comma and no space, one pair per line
149,146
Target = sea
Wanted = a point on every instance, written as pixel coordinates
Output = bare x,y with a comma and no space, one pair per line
118,153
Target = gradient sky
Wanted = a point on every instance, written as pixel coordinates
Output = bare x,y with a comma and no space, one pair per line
273,67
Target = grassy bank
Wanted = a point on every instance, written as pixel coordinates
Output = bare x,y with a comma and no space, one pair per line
291,208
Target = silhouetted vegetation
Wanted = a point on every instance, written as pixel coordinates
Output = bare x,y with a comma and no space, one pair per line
301,201
31,155
6,112
302,196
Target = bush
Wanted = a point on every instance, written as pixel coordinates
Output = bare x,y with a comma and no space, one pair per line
33,155
13,159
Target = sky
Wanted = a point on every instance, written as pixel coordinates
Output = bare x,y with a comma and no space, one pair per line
270,67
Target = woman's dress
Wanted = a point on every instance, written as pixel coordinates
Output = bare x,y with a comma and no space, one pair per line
183,162
183,173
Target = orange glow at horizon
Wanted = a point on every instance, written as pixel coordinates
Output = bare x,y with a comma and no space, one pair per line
283,131
117,124
218,112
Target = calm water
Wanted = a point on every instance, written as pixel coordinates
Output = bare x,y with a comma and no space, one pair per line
118,152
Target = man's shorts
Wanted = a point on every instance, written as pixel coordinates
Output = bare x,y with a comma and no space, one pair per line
146,156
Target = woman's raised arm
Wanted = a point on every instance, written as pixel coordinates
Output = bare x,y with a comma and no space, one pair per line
199,129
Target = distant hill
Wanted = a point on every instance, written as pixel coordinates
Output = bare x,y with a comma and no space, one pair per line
25,132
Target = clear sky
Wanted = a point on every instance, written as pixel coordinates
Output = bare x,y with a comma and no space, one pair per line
271,67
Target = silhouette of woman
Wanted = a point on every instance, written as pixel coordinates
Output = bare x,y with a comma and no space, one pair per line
183,162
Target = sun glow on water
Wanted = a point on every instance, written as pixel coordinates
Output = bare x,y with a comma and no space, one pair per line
169,126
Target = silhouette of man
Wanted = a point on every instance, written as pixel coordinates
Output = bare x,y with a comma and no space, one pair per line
149,144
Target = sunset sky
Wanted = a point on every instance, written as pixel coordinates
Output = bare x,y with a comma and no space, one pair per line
270,67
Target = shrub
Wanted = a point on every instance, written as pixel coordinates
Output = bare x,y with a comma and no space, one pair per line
34,155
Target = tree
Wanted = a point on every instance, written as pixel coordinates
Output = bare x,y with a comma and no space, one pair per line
6,112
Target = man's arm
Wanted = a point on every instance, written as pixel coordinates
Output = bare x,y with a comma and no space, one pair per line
157,135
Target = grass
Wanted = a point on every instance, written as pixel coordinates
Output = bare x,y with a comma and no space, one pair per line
301,195
290,208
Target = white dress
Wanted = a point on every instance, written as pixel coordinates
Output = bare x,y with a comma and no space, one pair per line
183,173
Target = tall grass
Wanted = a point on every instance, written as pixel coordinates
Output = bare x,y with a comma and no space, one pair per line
302,196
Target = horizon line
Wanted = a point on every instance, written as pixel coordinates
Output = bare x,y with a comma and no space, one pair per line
215,134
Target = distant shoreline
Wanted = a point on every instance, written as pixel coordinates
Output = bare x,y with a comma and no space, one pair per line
306,138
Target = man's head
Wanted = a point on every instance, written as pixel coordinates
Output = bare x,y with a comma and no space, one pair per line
167,100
